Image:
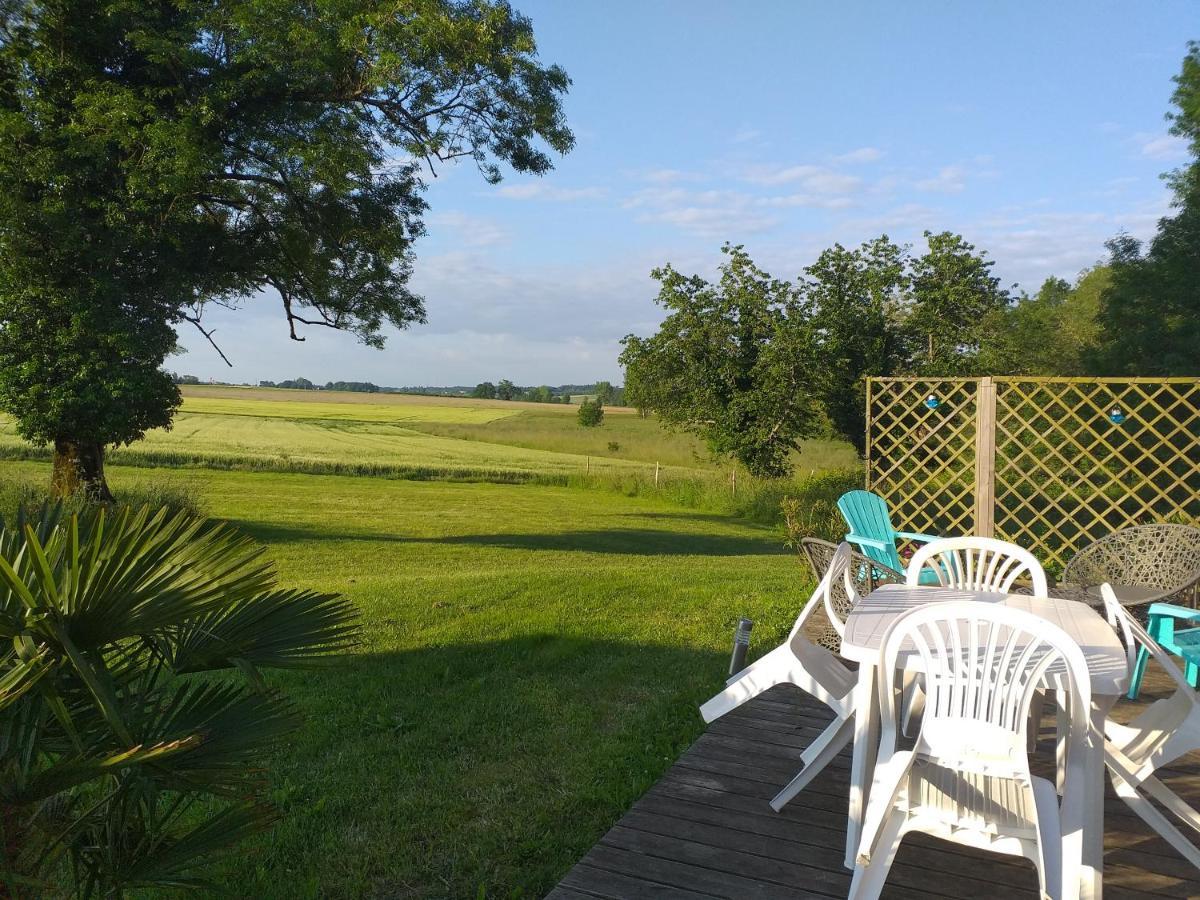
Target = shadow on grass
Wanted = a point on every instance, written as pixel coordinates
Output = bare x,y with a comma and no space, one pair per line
621,541
485,768
629,542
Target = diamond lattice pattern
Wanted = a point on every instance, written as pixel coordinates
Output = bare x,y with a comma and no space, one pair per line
922,459
1075,459
1067,474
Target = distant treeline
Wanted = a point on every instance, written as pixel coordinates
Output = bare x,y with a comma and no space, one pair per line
602,391
606,393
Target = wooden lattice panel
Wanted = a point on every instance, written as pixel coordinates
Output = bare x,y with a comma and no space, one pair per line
1067,474
922,460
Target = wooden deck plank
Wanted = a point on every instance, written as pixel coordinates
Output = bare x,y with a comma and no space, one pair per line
704,830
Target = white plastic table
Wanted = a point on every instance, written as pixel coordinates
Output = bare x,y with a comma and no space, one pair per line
873,615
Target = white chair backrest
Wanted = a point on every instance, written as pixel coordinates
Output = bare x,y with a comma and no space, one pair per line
1135,636
839,568
982,663
977,564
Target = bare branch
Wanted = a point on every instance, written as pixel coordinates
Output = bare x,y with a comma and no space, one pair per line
195,320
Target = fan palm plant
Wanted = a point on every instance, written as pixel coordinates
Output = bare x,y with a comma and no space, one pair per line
133,716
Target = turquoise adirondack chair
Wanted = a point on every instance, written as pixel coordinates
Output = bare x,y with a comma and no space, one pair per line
871,528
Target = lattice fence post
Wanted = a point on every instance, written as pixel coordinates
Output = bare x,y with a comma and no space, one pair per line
985,458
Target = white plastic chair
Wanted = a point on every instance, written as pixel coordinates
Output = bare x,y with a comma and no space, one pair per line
977,564
1165,731
811,668
967,778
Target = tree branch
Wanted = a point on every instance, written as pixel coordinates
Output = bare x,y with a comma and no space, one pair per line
195,320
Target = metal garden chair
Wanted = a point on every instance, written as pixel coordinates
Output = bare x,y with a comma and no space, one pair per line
866,574
871,528
1147,564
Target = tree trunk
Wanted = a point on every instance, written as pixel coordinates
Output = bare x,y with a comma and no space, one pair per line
79,466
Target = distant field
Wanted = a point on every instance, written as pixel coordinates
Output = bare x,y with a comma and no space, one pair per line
415,436
347,411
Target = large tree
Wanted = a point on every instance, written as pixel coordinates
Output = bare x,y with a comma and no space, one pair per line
856,299
954,297
733,362
1053,332
157,158
1151,311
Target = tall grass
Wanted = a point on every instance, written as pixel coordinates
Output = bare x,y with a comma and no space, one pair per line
28,494
754,500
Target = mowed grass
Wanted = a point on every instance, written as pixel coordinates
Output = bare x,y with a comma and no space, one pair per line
531,662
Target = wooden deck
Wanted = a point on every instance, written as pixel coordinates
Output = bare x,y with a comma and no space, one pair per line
705,829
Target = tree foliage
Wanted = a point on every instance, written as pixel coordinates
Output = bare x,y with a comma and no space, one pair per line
954,296
156,159
733,362
857,299
1151,311
485,390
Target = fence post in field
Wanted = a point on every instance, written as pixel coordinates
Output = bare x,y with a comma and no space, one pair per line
589,465
733,481
656,474
985,458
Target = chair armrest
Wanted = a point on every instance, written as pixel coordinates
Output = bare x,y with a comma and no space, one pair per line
914,536
1172,611
870,542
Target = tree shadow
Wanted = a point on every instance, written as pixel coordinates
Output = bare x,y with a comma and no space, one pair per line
495,763
621,541
628,542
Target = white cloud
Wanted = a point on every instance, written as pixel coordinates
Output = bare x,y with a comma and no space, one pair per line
715,221
669,176
801,200
535,190
769,175
745,135
1167,147
473,231
861,155
812,179
949,180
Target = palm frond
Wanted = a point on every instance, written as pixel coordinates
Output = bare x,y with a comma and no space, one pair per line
277,629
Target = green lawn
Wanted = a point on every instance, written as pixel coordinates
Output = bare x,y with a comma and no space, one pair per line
532,661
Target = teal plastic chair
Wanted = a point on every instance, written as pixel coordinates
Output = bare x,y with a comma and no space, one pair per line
1163,626
871,528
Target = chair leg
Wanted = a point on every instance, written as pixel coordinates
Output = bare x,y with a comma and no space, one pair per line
1156,820
829,743
1139,670
913,703
868,880
1037,709
1062,728
1172,801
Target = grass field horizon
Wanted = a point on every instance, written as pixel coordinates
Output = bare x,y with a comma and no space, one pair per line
416,436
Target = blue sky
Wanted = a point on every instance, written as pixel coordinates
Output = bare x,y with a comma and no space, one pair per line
1036,130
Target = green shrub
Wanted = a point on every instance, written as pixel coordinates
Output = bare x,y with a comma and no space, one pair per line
810,508
591,413
125,763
